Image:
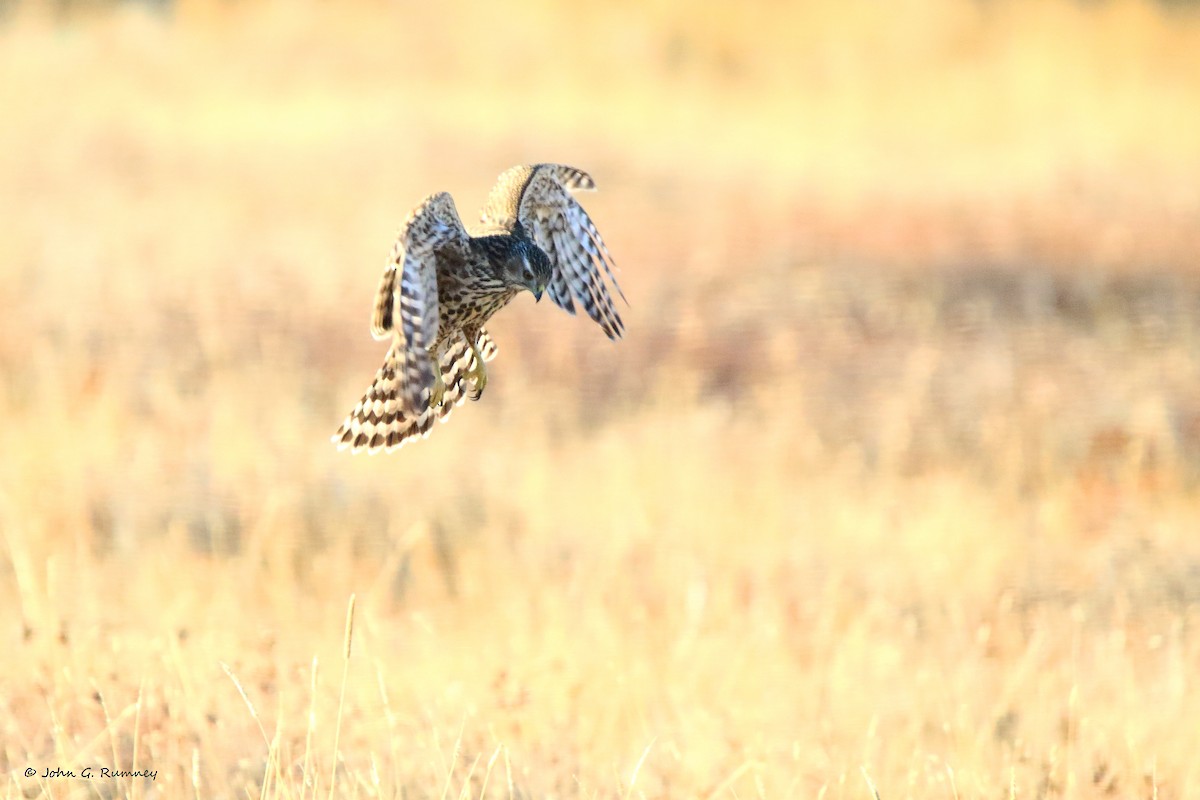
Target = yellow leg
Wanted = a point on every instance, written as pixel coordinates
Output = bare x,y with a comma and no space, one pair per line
478,373
438,392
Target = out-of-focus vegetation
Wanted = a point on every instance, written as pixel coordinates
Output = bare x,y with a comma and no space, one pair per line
895,474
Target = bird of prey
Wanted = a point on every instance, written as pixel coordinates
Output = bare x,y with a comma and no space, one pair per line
442,284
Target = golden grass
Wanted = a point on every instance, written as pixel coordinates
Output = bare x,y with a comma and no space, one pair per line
891,489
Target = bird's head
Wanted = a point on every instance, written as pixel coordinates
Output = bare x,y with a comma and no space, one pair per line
528,267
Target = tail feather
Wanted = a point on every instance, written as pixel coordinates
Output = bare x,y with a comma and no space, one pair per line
486,345
381,420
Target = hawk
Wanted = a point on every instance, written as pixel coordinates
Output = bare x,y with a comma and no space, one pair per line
443,283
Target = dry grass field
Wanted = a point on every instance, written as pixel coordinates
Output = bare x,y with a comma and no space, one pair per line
892,489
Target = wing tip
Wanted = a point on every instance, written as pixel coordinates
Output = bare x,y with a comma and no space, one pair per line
574,178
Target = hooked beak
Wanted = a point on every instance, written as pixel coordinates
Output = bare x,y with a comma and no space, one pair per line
537,295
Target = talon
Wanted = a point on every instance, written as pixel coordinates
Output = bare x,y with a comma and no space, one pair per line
478,372
438,392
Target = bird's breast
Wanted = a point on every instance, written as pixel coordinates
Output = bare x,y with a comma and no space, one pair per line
468,305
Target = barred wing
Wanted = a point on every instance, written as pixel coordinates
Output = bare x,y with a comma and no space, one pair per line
406,303
538,197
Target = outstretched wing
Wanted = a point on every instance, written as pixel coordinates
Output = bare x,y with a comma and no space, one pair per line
538,197
406,303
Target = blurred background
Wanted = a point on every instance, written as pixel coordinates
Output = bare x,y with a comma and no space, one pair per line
895,473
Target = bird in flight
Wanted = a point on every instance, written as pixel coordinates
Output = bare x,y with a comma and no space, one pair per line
442,284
